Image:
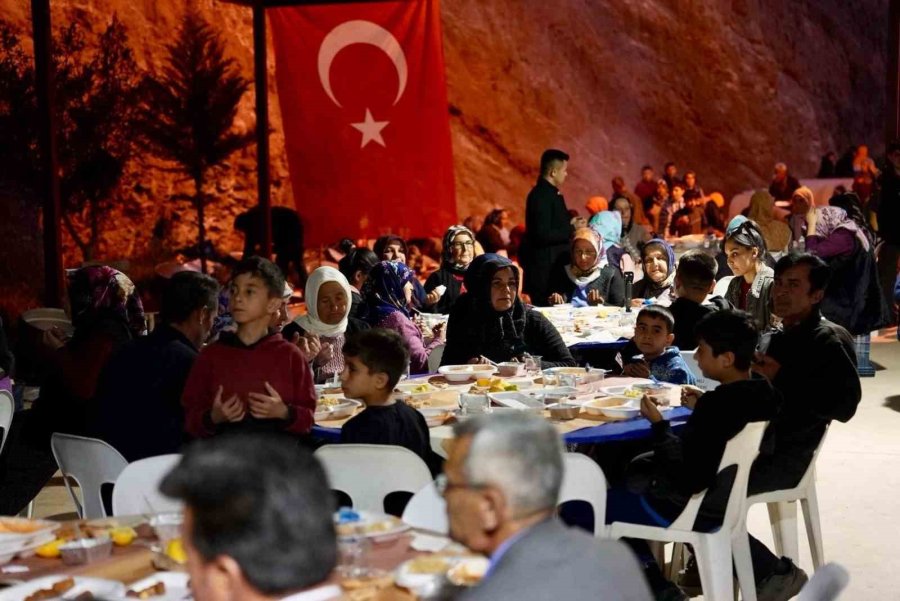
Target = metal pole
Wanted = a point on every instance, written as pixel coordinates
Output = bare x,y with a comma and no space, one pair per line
262,124
53,271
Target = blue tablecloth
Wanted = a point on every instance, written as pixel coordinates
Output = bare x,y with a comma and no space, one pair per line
631,429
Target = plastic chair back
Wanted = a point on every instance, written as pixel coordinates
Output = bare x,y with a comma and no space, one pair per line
583,480
7,409
427,510
137,487
740,451
367,473
702,381
91,463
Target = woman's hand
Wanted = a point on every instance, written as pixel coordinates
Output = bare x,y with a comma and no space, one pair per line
432,298
556,299
439,331
479,361
594,297
637,302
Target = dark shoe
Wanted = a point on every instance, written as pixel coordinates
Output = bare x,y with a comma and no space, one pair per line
671,593
783,584
688,579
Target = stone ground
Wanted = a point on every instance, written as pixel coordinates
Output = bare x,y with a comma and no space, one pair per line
858,480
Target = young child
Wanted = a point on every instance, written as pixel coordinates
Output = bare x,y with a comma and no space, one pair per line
251,379
695,278
653,337
685,464
374,360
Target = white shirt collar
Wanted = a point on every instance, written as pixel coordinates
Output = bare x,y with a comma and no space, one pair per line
322,593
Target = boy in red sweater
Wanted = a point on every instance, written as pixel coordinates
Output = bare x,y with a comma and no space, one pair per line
252,379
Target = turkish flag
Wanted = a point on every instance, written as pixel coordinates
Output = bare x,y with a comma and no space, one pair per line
364,103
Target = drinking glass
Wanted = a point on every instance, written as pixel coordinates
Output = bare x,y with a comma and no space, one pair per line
533,365
352,556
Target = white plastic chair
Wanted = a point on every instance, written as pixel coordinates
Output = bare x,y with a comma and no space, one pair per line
137,488
7,409
427,510
715,551
434,358
91,463
782,506
702,381
583,480
367,473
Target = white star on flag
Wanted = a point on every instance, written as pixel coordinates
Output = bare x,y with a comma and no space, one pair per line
371,129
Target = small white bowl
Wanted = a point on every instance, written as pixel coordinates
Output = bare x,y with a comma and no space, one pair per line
614,406
511,369
464,373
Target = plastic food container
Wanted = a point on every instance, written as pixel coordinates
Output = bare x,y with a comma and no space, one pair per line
511,369
85,550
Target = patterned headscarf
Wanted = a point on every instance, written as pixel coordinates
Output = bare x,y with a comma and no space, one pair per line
829,219
383,291
447,252
735,223
100,290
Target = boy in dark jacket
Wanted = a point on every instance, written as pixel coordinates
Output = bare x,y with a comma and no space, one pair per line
653,336
374,361
687,463
694,280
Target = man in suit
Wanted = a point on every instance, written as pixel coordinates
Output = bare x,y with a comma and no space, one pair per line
547,225
501,483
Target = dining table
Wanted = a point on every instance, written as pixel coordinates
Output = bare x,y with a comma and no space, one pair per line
138,560
584,429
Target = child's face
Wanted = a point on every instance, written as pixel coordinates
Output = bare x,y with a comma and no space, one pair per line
358,382
651,336
656,264
250,300
711,365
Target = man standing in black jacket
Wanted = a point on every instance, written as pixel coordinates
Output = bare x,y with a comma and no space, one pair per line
547,225
812,363
889,225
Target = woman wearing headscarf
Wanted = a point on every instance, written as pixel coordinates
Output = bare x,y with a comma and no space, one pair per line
853,297
596,204
775,232
394,249
587,278
387,294
106,312
751,288
608,225
458,252
327,320
658,259
490,320
802,202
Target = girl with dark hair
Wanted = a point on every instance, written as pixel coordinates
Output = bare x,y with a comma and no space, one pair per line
750,290
490,236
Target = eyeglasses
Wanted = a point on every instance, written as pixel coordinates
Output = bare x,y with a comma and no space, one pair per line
443,485
462,245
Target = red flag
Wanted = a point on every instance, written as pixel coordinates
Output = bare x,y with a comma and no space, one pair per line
364,103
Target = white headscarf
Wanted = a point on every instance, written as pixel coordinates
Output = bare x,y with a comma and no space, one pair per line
311,322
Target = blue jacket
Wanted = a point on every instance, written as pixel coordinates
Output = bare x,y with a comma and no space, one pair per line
670,367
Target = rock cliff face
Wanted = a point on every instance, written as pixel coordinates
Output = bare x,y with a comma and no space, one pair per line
724,88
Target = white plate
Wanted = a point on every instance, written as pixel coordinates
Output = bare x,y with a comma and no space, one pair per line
620,390
372,517
464,373
517,400
421,584
26,550
103,589
344,408
409,387
623,407
12,539
177,587
473,566
435,416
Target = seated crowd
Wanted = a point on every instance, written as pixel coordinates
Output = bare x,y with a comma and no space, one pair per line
778,340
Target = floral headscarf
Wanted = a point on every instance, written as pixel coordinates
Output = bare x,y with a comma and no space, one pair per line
829,219
383,292
100,290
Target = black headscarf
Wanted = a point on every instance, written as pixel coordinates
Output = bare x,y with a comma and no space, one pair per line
500,330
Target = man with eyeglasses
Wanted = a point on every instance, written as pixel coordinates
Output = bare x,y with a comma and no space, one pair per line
501,483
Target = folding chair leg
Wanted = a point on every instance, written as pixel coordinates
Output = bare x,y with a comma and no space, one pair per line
677,564
713,553
810,507
783,518
743,564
